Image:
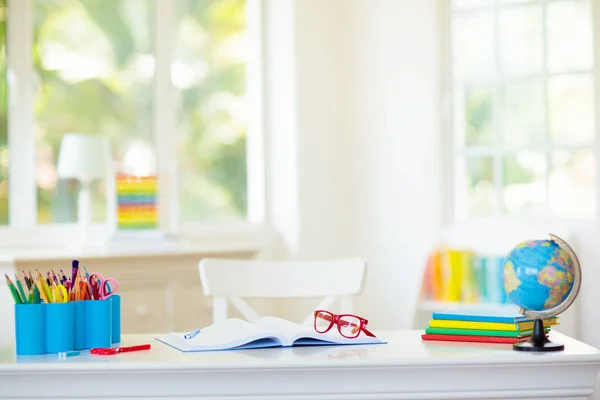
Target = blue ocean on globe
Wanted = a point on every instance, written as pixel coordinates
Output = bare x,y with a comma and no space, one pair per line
538,275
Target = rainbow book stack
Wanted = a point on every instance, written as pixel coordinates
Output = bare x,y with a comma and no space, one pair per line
136,202
504,325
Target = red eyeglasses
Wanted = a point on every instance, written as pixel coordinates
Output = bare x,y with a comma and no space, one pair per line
348,325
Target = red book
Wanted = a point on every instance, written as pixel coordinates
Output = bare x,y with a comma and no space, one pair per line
478,339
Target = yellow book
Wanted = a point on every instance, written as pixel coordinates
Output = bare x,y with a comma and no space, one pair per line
142,186
452,275
494,326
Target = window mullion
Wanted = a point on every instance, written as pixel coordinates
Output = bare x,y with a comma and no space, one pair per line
596,32
546,128
255,140
21,139
497,117
165,117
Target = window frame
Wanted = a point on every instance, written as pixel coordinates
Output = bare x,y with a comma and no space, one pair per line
451,153
22,228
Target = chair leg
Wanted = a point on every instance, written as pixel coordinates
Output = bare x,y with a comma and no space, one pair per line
219,309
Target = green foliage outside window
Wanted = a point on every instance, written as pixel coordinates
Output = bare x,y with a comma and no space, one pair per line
94,60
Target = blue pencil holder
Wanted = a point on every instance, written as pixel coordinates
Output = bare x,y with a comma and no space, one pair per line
98,323
30,329
59,327
79,336
116,318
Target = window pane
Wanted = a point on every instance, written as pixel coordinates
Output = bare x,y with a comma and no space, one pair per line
474,116
475,187
573,184
3,119
571,109
523,112
521,39
471,3
95,69
524,184
209,74
569,35
473,54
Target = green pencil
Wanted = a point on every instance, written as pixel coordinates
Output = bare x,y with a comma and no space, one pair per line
21,292
13,291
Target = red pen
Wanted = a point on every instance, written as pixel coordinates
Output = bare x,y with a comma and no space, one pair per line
116,350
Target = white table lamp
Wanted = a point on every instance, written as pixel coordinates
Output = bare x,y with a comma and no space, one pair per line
84,157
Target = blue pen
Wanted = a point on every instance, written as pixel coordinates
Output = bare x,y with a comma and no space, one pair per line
192,333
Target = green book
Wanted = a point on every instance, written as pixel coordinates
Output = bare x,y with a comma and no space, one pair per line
480,332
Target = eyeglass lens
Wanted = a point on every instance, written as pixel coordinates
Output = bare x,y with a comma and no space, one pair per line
349,326
323,322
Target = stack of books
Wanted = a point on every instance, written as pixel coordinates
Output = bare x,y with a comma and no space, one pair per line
502,325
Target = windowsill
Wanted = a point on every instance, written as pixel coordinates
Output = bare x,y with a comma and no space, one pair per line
168,249
58,242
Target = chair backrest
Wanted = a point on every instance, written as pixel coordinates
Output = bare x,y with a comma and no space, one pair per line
231,280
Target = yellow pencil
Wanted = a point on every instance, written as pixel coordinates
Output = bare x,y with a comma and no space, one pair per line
38,283
45,286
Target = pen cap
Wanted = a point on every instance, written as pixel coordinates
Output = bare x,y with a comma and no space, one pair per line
30,329
59,327
79,336
116,318
98,323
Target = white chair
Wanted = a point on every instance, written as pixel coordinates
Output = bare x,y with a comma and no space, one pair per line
231,280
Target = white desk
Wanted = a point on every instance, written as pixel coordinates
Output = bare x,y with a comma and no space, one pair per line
406,368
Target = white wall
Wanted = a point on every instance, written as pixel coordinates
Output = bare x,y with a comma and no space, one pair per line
363,173
393,115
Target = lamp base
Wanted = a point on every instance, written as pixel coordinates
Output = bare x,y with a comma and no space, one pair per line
141,237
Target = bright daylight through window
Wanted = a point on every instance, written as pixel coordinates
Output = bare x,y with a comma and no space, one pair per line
94,71
523,108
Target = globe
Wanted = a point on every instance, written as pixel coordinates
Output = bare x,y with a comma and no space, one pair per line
543,278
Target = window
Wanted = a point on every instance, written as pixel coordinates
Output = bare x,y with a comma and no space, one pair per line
3,119
522,85
164,80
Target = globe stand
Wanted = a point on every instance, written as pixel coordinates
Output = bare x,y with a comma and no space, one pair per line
539,341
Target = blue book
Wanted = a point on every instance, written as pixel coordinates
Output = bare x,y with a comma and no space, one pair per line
504,314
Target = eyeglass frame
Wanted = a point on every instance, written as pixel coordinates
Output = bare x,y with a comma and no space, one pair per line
335,320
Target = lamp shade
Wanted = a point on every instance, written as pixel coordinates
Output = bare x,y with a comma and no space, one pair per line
84,157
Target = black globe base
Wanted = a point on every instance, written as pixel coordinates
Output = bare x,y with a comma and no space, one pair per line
538,341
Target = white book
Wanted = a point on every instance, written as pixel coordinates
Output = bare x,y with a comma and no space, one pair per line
237,334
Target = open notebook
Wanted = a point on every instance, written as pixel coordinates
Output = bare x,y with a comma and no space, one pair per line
237,334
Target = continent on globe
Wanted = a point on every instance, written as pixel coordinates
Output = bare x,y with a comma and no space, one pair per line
559,283
511,282
562,259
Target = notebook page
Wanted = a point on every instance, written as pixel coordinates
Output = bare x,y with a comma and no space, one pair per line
223,335
286,329
331,337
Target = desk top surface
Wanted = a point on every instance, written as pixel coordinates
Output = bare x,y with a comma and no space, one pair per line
404,349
